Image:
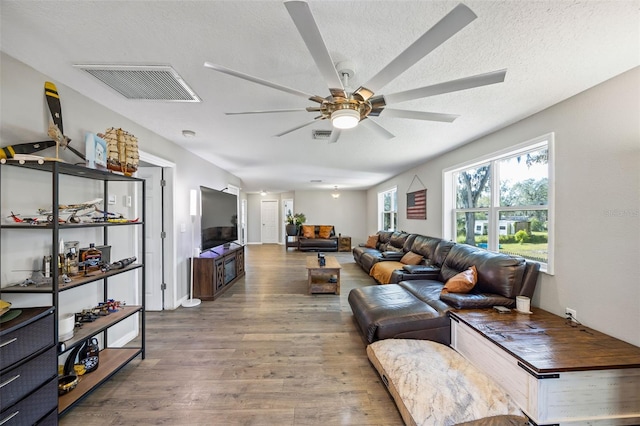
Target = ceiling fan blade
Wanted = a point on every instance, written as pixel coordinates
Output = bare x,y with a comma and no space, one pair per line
447,87
453,22
271,111
308,29
257,80
377,128
418,115
298,127
335,135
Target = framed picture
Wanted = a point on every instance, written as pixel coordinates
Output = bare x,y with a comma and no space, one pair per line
95,151
417,204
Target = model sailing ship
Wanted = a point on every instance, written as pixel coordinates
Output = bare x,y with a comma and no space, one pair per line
122,151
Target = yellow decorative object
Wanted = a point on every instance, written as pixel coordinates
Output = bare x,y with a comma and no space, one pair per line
4,306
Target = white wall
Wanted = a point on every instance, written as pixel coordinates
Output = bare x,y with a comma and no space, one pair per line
346,213
25,116
597,170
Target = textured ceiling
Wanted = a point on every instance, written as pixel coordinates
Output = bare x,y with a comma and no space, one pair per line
551,49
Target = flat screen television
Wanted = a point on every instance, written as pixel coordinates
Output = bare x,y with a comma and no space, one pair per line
218,218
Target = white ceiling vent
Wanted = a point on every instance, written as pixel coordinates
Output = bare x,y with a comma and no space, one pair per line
143,82
321,134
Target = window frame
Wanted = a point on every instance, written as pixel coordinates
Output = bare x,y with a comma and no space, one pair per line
450,209
382,212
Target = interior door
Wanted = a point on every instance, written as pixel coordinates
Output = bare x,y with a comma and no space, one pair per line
153,222
269,217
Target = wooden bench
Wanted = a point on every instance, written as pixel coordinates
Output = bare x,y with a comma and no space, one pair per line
434,385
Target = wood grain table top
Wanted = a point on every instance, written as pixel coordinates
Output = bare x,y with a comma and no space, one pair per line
548,343
330,263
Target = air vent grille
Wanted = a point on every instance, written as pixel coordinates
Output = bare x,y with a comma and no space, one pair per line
321,134
143,82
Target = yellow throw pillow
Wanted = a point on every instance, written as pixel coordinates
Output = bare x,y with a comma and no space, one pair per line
308,231
371,241
325,231
463,282
411,258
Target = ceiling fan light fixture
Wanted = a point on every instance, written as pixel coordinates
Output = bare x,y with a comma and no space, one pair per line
345,118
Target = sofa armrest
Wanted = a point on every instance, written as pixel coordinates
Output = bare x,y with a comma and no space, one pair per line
392,255
421,269
476,300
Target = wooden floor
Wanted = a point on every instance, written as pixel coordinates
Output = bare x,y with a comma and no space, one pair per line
265,353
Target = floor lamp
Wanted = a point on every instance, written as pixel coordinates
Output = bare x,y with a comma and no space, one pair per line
193,210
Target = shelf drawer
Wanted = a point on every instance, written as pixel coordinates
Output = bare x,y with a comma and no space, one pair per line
27,340
33,408
22,380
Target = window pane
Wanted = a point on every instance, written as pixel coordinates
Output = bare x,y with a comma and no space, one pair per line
473,188
472,228
525,234
524,179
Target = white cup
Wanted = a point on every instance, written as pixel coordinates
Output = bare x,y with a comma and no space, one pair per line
523,304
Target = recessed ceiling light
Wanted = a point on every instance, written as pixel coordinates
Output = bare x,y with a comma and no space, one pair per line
188,133
315,180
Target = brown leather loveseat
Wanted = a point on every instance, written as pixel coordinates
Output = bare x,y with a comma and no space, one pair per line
317,238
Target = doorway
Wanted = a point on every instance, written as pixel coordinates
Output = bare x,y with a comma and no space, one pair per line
160,271
269,218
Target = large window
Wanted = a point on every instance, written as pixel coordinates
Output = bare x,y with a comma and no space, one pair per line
388,210
504,203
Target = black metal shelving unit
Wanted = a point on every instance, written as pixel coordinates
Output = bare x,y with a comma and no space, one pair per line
111,359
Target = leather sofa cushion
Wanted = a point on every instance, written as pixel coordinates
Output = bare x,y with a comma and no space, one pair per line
428,291
497,273
384,312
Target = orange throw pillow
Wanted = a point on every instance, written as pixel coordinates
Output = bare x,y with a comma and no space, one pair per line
325,231
411,258
371,241
463,282
308,231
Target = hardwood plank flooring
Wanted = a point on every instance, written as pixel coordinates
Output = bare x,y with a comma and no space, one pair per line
264,353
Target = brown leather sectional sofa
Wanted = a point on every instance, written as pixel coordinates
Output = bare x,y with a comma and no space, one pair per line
414,305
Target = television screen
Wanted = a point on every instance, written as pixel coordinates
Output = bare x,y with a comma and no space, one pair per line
219,218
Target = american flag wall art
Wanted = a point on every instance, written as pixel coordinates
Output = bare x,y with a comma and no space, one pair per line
417,204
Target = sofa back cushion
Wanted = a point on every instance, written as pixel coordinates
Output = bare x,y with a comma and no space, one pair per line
497,273
397,240
442,251
383,239
425,246
434,250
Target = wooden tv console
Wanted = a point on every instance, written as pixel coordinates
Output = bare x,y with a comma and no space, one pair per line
216,270
558,372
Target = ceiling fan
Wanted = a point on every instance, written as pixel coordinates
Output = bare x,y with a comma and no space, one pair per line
348,109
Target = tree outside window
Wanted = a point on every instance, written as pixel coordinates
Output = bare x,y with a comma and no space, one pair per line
503,205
